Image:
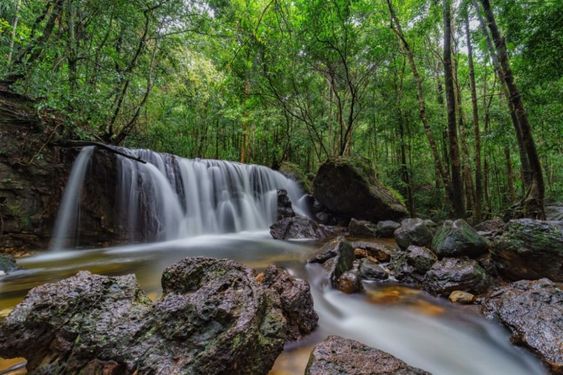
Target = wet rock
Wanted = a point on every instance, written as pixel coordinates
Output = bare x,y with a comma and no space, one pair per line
348,187
362,228
386,228
7,264
213,318
530,249
450,274
285,208
461,297
457,238
338,356
322,217
413,232
420,258
372,271
327,251
349,282
297,227
533,312
296,301
374,249
403,271
344,262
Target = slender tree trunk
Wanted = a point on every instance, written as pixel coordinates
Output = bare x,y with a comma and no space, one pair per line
509,176
14,32
476,132
534,198
439,167
457,183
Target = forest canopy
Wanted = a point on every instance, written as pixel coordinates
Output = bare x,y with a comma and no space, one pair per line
457,104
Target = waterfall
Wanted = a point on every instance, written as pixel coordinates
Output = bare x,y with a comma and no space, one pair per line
68,216
170,197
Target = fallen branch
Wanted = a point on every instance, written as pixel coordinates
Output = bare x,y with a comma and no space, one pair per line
99,145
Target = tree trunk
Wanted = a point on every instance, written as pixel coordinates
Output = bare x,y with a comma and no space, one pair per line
14,31
509,176
439,167
476,132
457,183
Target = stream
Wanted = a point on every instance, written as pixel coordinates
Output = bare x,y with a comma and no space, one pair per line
424,331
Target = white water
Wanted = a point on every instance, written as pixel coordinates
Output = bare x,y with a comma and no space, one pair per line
68,215
171,197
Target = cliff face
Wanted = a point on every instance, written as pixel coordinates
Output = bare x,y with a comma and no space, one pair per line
33,174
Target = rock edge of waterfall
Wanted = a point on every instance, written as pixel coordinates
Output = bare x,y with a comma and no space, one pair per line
215,316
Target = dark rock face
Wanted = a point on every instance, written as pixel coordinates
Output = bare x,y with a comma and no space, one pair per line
413,232
344,261
386,228
339,356
297,227
530,249
457,238
348,189
7,264
213,318
296,301
33,174
490,228
533,312
451,274
362,228
284,205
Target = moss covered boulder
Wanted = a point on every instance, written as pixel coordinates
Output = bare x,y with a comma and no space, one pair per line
348,187
530,249
214,317
457,238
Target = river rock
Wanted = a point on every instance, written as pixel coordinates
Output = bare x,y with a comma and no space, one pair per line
457,238
7,264
213,318
413,232
461,297
450,274
420,258
338,356
533,312
372,271
327,251
344,262
530,249
348,187
296,301
490,228
297,227
386,228
362,228
285,208
373,249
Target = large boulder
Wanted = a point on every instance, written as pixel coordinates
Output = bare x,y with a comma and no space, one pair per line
214,318
386,228
533,312
338,356
530,249
413,232
297,227
450,274
296,301
348,187
457,238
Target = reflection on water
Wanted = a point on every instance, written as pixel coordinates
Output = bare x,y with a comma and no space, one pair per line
425,332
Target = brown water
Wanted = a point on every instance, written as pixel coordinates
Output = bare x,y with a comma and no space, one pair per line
426,332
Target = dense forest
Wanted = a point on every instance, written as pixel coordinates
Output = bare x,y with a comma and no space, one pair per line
458,104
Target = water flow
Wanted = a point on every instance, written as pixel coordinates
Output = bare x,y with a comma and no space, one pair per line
68,216
170,197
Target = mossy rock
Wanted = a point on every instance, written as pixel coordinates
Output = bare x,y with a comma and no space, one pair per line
349,187
457,238
530,249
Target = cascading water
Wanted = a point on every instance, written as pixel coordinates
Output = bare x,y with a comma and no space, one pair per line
68,215
171,197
